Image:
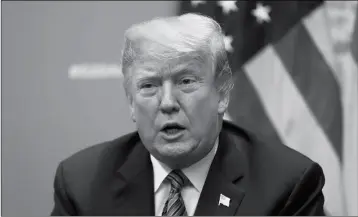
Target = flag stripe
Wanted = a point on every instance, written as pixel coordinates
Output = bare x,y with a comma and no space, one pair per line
315,81
354,44
294,121
350,154
317,26
246,110
347,79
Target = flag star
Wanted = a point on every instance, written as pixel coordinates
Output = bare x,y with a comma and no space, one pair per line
195,3
228,6
261,13
227,42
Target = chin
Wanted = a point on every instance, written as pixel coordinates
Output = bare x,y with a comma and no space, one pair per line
175,152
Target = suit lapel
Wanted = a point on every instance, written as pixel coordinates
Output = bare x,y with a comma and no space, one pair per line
225,174
133,188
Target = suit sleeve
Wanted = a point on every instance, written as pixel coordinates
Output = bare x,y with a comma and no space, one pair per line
63,205
307,197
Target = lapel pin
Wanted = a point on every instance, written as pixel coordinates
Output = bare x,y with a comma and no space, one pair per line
224,200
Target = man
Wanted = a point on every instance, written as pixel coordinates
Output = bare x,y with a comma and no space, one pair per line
184,159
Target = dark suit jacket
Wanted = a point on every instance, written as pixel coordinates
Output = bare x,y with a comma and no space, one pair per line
116,178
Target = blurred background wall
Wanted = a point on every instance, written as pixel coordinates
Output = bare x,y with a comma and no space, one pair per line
45,115
294,64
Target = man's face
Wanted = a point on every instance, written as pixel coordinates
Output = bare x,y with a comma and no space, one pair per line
176,108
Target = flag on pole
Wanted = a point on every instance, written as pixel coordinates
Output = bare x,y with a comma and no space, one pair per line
292,86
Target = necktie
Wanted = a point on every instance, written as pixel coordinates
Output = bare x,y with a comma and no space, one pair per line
175,206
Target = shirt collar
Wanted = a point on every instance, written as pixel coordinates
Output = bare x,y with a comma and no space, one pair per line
196,173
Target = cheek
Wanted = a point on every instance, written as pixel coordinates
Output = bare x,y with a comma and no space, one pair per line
145,110
201,109
144,104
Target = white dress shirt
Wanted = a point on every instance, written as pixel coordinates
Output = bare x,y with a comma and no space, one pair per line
196,173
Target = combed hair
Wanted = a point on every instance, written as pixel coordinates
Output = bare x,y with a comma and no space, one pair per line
164,38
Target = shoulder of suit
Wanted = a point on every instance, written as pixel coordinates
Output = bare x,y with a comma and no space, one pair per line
265,153
91,156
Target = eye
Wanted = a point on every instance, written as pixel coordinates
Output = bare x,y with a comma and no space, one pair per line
189,84
187,81
146,86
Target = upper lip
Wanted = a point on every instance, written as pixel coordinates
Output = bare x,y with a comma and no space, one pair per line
172,124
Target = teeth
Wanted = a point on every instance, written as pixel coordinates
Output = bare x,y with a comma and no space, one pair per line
172,131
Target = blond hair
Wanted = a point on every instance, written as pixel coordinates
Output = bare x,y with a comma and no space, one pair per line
171,37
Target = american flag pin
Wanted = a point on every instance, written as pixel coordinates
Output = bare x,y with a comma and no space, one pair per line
224,200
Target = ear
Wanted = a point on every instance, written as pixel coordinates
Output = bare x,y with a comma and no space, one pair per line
223,103
131,106
132,112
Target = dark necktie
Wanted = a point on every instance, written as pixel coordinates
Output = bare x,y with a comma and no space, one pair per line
175,206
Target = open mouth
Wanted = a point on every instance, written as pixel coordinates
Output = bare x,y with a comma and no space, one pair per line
172,129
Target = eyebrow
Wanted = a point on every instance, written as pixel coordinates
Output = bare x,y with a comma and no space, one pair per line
145,75
150,72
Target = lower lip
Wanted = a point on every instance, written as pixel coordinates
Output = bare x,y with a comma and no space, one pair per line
172,136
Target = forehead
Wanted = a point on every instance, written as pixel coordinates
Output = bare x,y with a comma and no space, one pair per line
167,66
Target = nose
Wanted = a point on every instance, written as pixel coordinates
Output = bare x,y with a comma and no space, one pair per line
169,103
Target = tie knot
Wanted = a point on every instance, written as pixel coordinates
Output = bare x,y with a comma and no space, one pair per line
177,179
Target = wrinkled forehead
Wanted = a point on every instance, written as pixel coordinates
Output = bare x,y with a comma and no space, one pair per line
193,62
